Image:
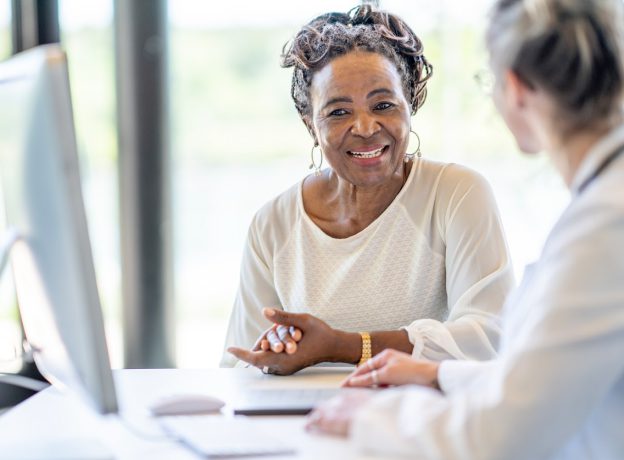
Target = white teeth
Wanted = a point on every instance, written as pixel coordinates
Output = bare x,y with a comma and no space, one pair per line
373,154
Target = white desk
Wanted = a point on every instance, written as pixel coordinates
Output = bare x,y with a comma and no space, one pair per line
51,416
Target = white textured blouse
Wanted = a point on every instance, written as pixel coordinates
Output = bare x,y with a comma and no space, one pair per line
435,262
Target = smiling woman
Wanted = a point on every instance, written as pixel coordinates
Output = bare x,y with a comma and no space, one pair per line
361,125
409,248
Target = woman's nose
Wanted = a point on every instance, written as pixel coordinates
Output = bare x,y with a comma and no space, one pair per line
365,125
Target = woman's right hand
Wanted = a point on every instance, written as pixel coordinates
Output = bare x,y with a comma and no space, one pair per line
392,367
279,338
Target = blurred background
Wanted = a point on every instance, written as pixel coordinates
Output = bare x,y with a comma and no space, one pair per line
237,141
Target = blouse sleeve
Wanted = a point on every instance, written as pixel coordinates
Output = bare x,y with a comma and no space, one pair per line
256,291
479,274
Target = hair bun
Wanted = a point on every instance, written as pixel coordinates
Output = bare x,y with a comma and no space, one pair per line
572,49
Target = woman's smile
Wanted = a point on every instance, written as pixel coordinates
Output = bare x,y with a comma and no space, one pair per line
368,156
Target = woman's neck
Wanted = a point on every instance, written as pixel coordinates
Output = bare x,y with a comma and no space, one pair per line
363,205
341,209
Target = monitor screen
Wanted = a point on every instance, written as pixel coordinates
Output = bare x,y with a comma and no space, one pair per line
45,217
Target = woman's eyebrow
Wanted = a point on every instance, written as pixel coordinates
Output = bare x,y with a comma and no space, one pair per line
379,91
334,100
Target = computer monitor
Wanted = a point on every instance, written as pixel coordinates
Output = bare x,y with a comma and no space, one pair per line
46,231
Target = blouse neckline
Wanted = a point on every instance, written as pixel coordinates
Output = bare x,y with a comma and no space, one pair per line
365,231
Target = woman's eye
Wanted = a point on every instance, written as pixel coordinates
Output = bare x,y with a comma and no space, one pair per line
337,113
384,106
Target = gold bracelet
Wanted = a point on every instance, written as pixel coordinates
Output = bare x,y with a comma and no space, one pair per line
366,348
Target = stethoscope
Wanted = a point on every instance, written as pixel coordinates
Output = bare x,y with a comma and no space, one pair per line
600,169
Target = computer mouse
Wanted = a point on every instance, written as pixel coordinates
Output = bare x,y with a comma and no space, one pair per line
186,404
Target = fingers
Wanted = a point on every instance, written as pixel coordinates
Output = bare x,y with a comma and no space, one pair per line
335,416
359,375
372,372
375,362
363,369
258,345
297,320
268,362
244,355
295,333
287,335
322,421
394,368
369,379
277,346
360,370
283,333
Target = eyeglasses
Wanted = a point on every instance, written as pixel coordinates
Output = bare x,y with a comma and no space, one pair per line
485,79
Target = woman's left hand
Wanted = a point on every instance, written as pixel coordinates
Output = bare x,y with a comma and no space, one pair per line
336,415
317,344
391,367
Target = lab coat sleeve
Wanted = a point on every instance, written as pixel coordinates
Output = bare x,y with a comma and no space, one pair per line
560,359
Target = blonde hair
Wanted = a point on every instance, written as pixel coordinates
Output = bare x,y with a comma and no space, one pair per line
571,49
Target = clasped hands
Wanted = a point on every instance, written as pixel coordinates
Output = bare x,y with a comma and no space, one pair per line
296,341
299,340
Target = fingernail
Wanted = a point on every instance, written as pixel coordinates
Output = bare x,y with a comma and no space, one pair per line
269,311
290,346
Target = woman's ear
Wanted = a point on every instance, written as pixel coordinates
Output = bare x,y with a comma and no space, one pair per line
308,124
524,111
516,89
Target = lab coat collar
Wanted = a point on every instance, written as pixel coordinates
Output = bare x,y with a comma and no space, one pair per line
597,154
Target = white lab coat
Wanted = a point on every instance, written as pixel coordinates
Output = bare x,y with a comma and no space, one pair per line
556,390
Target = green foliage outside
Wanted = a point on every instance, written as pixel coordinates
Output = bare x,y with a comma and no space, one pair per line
230,99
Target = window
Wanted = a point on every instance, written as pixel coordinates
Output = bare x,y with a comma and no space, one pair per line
237,141
87,36
10,332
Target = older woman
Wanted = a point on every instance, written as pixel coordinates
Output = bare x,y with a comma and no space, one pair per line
382,240
556,390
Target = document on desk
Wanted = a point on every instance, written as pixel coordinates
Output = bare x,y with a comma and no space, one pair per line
217,436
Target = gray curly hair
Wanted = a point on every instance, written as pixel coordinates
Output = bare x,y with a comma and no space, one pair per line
362,28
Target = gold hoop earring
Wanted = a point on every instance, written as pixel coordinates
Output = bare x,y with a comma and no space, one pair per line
313,165
415,153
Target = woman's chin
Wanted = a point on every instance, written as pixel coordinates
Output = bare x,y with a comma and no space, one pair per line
530,148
